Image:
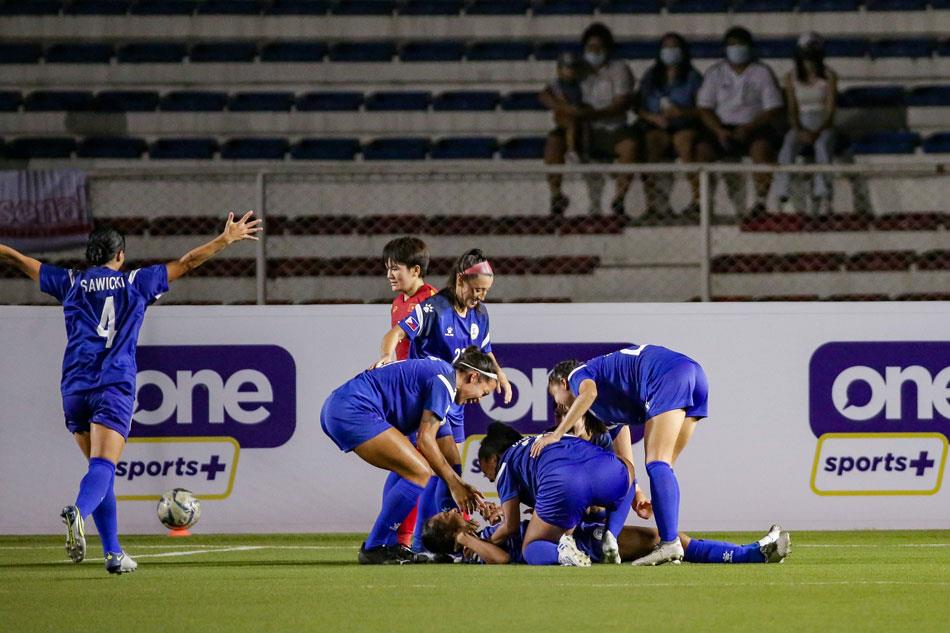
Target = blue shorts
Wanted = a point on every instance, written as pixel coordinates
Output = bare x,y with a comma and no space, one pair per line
349,423
109,407
681,384
564,493
454,423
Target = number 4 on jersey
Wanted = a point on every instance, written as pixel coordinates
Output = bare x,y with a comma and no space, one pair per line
106,327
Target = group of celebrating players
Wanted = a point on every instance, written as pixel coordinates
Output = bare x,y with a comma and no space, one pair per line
406,415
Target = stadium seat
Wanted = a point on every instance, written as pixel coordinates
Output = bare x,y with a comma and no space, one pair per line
924,96
58,101
223,52
772,48
164,7
230,7
698,6
563,7
881,261
261,102
895,5
549,51
498,51
79,54
299,7
194,101
168,226
872,97
325,149
400,101
151,53
765,6
396,149
183,149
436,51
523,148
111,147
631,6
522,100
126,101
466,100
706,49
497,7
329,101
30,7
934,260
901,48
943,48
820,6
909,221
20,53
10,101
846,47
923,296
255,149
431,7
294,52
362,52
464,148
887,143
98,7
637,49
41,147
938,143
364,7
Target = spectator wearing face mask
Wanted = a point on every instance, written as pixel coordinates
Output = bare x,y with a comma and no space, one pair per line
607,93
741,105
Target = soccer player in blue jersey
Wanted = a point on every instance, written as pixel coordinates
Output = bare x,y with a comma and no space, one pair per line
561,484
373,413
104,309
647,384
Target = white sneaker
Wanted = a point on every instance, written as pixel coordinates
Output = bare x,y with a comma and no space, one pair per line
569,555
787,206
610,549
665,552
120,563
776,545
75,533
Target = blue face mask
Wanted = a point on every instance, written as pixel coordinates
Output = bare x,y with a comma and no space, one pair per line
738,54
594,59
671,56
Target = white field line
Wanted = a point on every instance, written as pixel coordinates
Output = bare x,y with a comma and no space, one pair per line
817,583
190,545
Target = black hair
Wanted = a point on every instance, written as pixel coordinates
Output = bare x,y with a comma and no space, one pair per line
601,32
562,370
437,538
103,244
409,251
656,75
500,438
738,33
594,425
475,359
815,54
468,259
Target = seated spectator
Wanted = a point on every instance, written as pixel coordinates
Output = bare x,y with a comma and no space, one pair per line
741,105
566,89
811,92
668,116
607,94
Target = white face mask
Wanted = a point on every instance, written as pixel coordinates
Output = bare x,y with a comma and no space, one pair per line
671,56
738,54
594,59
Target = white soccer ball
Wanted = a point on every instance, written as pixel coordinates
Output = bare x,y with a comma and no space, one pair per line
178,508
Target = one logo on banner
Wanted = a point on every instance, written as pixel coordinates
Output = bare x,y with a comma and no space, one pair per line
881,412
204,465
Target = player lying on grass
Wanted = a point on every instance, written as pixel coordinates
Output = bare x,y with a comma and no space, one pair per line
373,413
560,485
104,311
449,533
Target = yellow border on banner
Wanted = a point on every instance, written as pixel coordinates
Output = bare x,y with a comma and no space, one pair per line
183,440
878,493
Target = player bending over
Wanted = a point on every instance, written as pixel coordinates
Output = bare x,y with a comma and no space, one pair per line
104,309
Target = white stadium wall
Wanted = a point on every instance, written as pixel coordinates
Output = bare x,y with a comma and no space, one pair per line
822,416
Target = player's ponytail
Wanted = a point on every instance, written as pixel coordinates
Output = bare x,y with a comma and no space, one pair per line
474,359
500,438
103,244
562,370
469,258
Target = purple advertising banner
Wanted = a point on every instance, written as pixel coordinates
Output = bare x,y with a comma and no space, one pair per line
248,392
893,387
44,209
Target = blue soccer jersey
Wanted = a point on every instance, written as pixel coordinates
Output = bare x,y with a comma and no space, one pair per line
104,310
435,329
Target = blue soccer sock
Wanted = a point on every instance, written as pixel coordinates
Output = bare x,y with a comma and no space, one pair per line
107,523
94,485
397,502
701,551
616,518
665,492
540,553
435,499
391,480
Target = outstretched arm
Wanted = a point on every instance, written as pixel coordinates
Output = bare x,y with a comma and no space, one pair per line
243,229
466,496
587,393
387,349
26,265
489,553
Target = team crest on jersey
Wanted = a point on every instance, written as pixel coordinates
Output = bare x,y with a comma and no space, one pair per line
426,308
449,331
412,323
473,331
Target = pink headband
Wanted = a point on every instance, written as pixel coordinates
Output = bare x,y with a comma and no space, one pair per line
481,268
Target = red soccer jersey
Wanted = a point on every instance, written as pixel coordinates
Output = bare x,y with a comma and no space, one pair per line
401,309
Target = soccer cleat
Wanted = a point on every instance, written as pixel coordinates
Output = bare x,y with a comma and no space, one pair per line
569,555
610,549
665,552
120,563
382,555
75,533
776,545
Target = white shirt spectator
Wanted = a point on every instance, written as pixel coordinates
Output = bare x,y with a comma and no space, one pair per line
738,98
600,88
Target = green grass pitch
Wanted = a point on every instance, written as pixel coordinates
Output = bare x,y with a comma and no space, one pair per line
833,581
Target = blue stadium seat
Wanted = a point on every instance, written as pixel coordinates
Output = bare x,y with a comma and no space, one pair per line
299,7
255,149
329,101
547,51
637,49
20,53
523,148
699,6
771,48
466,100
411,148
164,7
78,54
30,7
194,101
10,101
765,6
325,149
895,5
261,102
902,48
364,7
563,7
706,49
442,51
151,53
431,7
402,101
465,148
498,51
887,143
362,52
498,7
98,7
58,101
41,147
223,52
294,52
938,143
943,48
183,149
846,47
230,7
872,97
111,147
631,6
126,101
521,100
824,6
929,96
